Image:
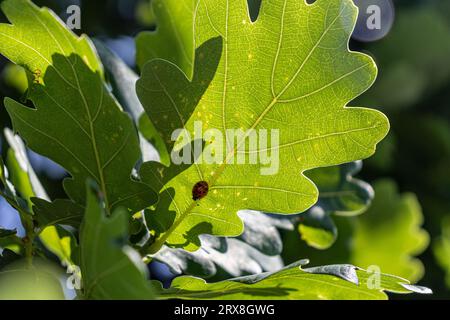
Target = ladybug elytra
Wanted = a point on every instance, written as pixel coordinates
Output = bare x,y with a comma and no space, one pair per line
200,190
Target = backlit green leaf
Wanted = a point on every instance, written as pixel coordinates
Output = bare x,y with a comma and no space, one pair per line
76,122
290,70
330,282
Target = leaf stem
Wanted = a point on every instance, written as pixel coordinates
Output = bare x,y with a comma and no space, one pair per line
28,225
29,249
157,245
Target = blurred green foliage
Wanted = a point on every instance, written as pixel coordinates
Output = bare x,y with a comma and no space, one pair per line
413,89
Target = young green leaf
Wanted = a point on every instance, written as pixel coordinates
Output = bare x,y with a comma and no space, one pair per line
340,282
76,122
61,243
110,269
172,39
290,70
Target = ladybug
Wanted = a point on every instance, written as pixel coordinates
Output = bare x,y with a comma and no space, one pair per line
200,190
